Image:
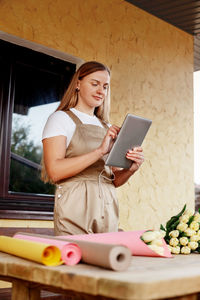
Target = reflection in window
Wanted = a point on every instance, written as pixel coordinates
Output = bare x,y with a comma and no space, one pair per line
26,151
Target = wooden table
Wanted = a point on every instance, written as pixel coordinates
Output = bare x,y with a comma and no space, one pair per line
146,278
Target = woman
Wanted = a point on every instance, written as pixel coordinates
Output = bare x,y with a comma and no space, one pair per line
76,139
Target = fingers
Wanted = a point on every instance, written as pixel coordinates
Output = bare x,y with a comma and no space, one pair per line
136,155
137,149
113,131
109,139
137,159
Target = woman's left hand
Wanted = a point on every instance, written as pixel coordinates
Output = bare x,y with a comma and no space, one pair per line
137,156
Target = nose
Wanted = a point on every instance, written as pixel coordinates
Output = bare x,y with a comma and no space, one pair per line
101,90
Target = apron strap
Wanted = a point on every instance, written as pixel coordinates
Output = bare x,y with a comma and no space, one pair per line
76,120
104,124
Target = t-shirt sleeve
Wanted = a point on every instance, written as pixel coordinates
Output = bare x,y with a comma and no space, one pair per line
59,123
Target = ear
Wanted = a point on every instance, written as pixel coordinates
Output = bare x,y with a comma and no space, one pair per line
78,85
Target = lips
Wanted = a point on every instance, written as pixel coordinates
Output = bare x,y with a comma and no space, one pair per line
98,98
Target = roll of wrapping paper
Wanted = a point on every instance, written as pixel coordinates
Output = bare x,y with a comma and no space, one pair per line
130,239
39,252
70,252
114,257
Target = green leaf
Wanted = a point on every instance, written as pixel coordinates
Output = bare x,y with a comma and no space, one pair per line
162,227
182,234
175,218
167,240
190,220
182,211
173,227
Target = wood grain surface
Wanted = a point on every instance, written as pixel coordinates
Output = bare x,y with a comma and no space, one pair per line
147,278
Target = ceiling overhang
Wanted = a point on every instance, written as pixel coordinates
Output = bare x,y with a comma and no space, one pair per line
183,14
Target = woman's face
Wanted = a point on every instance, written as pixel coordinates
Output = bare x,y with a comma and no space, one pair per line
93,89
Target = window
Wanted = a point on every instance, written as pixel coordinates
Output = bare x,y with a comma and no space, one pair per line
31,86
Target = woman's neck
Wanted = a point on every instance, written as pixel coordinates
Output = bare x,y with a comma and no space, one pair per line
86,110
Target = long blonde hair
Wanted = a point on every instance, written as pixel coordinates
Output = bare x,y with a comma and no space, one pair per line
70,99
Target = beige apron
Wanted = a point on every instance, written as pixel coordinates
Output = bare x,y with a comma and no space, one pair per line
86,203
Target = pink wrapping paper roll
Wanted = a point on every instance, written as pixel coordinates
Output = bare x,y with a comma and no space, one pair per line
130,239
70,252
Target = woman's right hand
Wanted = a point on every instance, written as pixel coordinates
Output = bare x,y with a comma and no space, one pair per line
109,139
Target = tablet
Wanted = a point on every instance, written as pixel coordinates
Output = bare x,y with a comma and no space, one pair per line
132,133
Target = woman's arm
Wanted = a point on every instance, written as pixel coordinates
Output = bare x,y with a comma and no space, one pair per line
122,175
59,167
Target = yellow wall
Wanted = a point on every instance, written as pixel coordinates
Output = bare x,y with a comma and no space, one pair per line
152,71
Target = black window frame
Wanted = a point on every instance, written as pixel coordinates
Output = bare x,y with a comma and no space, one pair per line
19,205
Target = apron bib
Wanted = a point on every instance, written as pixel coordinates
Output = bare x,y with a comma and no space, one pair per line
86,202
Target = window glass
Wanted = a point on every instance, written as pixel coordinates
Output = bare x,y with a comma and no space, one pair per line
37,95
26,150
31,87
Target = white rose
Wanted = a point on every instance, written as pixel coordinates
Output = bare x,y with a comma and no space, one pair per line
148,236
183,241
173,242
175,250
190,232
174,233
194,225
182,226
163,233
158,234
184,219
169,248
193,245
157,242
185,250
188,212
197,217
157,249
195,238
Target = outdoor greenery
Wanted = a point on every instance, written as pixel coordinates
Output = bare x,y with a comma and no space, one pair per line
24,178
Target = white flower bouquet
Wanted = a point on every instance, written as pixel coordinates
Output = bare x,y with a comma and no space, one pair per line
154,240
182,232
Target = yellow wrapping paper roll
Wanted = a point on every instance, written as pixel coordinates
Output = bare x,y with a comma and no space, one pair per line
42,253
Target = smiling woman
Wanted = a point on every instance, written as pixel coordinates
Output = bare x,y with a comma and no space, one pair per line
92,91
76,140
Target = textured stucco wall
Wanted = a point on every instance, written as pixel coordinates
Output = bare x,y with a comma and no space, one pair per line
152,71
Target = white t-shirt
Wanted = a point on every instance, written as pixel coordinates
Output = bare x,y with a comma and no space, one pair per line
59,123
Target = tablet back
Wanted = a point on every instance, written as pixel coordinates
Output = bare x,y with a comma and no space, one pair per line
132,133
